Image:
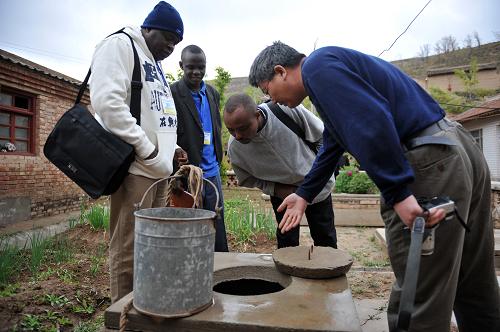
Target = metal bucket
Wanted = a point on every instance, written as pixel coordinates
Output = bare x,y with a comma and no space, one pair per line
173,260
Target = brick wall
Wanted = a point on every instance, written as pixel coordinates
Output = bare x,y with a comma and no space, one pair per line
33,176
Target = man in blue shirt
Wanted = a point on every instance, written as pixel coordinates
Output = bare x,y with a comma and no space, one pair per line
199,129
400,136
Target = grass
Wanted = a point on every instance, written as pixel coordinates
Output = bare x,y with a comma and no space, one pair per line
90,326
9,290
98,259
38,246
244,221
364,260
31,322
97,216
10,260
60,249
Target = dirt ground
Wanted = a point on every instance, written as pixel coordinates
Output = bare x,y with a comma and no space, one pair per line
63,295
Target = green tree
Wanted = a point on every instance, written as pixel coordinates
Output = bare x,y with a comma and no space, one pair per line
255,93
222,80
469,78
170,78
180,73
450,102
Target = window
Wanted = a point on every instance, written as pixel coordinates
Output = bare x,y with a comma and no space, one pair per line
16,122
478,137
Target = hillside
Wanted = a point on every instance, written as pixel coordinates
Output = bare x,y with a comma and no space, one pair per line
416,67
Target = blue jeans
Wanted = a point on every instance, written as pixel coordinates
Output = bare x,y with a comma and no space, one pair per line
209,200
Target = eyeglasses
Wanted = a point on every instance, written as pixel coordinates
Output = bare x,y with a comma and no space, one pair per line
265,89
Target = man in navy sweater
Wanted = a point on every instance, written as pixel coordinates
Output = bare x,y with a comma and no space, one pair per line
400,136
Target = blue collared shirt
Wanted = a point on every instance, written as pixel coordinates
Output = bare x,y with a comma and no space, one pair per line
209,163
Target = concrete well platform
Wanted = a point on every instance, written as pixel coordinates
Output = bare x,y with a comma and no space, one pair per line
297,304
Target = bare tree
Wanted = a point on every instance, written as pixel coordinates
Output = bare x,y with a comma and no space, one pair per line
438,48
468,41
497,35
476,37
424,51
446,44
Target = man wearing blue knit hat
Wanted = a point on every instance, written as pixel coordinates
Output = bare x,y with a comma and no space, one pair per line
153,134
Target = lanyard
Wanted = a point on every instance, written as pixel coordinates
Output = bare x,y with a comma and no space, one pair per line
158,66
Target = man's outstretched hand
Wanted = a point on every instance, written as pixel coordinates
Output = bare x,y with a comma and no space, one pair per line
295,207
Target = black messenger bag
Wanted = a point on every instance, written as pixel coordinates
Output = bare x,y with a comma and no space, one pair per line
93,158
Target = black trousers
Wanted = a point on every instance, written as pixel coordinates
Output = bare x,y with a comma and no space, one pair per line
320,218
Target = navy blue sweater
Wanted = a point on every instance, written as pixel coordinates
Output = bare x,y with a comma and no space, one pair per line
369,108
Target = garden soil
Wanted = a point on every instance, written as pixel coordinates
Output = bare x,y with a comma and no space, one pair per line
63,296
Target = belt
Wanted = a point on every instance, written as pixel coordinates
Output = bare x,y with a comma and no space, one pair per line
425,136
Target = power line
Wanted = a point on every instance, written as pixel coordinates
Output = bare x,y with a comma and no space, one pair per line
43,52
405,29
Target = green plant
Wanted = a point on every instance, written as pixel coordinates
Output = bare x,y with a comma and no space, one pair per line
91,325
97,216
221,81
97,259
10,259
51,315
223,168
254,93
9,290
56,300
65,275
31,322
44,275
244,221
38,247
64,321
60,248
264,222
74,222
352,181
469,78
450,102
83,307
376,263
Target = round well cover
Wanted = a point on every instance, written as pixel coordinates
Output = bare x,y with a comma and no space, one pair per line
312,262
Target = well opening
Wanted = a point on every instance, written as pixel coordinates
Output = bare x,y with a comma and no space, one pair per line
250,280
246,287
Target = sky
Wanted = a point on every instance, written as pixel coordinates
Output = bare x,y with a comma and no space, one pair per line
62,34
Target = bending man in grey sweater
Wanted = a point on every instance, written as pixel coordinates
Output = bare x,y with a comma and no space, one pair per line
266,154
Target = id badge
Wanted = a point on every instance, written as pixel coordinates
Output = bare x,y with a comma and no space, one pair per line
207,138
168,105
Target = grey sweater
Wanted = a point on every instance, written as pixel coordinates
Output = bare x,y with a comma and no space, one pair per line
277,154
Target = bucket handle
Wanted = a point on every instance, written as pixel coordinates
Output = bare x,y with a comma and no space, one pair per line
217,208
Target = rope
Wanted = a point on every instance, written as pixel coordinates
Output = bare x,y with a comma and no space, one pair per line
123,315
195,183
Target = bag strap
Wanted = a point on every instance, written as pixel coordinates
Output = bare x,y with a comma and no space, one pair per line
136,83
292,125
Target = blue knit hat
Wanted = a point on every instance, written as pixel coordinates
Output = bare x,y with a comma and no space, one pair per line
165,17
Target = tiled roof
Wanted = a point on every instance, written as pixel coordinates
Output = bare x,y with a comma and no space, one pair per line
489,108
451,70
36,67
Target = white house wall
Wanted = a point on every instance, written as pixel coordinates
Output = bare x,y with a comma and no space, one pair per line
491,142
